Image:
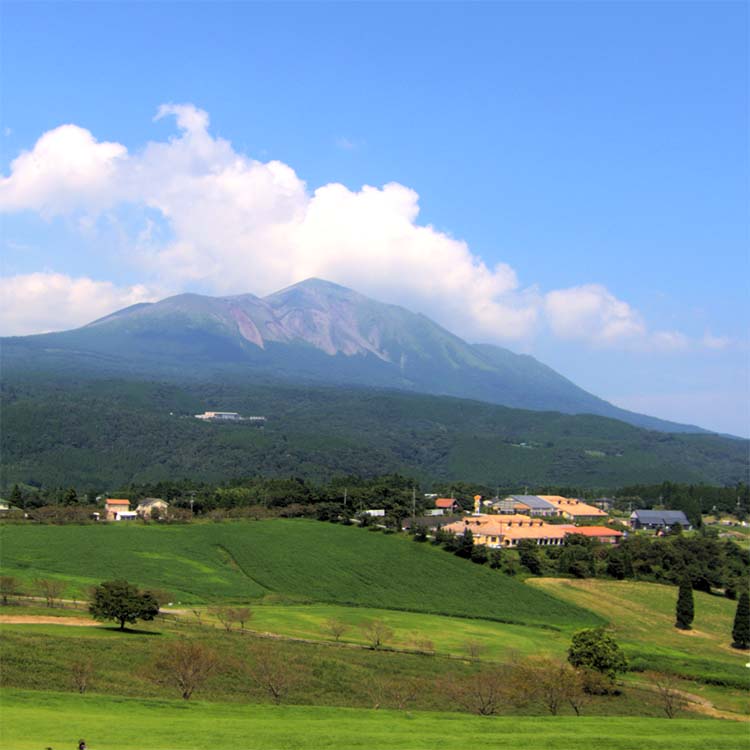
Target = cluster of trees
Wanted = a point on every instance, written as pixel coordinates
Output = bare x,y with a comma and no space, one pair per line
706,561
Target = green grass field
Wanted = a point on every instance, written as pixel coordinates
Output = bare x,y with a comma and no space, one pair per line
297,559
642,617
32,720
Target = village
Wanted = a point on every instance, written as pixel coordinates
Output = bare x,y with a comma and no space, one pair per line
498,523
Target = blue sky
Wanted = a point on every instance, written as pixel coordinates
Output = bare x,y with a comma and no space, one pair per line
597,151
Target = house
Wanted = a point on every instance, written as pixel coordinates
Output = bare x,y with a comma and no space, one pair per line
113,507
148,505
604,503
447,504
4,506
534,505
574,510
658,519
602,534
375,512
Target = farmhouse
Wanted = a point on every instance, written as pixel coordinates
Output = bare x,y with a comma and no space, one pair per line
447,504
148,505
115,507
658,519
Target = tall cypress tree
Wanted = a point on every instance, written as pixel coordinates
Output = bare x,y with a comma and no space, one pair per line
741,629
685,609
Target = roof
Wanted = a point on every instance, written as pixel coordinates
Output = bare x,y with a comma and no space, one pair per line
115,501
147,501
593,531
667,517
445,502
573,507
533,501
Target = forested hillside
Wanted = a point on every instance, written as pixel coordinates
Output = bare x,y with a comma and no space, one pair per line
94,432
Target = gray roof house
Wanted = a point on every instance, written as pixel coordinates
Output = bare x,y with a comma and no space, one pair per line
536,505
658,519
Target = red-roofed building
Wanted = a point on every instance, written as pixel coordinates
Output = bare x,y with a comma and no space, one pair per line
447,503
602,534
113,507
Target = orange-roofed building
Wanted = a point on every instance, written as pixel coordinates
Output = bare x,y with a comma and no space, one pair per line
507,531
573,509
602,534
447,503
114,506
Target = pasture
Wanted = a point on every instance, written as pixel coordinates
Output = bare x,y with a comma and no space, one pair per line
292,560
33,720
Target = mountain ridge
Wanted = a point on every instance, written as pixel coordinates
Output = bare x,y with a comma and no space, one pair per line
313,330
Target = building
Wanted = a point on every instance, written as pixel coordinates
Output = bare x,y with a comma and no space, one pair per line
447,504
574,510
148,505
115,507
534,505
508,531
219,416
602,534
658,519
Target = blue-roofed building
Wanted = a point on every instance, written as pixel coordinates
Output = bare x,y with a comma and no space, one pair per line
658,519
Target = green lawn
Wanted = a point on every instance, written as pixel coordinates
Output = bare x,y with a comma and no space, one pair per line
290,559
33,720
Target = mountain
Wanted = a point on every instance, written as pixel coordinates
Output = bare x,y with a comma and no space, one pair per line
314,331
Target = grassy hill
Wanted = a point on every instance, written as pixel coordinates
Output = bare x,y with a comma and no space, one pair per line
642,617
303,560
106,433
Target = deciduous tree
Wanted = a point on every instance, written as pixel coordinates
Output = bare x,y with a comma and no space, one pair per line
186,665
122,602
596,649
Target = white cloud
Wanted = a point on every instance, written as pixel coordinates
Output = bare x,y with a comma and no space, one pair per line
238,225
45,301
592,313
66,170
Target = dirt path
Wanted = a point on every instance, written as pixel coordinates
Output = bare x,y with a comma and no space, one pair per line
81,622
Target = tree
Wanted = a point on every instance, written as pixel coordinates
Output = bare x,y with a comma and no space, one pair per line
50,589
335,627
672,699
225,616
685,610
554,684
741,628
81,672
474,649
9,585
528,553
594,648
185,665
376,632
481,693
272,672
123,602
465,544
242,615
